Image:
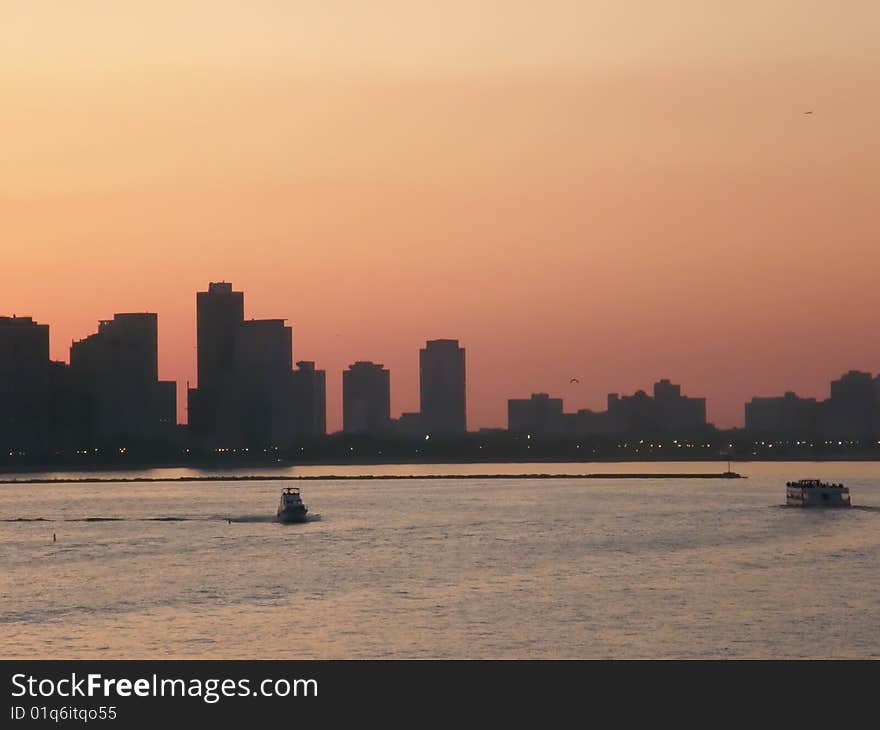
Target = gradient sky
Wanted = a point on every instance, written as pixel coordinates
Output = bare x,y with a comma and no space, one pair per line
613,190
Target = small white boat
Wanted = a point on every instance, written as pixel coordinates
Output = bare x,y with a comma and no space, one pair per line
291,507
815,493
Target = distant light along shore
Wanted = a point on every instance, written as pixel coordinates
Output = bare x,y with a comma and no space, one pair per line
363,477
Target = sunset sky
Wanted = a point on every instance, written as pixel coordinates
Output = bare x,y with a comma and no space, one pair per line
609,190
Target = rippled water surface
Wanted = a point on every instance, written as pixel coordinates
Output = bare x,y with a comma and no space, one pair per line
454,568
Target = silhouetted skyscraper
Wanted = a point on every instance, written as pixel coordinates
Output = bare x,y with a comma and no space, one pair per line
853,410
442,388
788,415
262,367
666,413
211,406
366,398
309,400
248,394
263,350
539,415
68,410
676,413
116,371
219,312
24,384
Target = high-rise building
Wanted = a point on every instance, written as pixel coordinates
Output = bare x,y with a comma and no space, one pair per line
539,415
219,312
442,388
675,413
586,423
24,385
116,372
262,364
853,410
263,349
632,414
309,400
248,394
666,413
211,406
366,398
67,409
788,415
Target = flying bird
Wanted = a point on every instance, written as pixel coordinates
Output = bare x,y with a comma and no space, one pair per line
809,112
574,380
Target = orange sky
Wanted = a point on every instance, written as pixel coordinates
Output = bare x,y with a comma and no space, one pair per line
610,190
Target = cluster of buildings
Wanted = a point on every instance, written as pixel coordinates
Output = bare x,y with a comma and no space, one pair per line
109,392
366,396
852,412
665,413
250,393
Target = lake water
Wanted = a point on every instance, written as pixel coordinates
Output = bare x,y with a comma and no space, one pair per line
503,568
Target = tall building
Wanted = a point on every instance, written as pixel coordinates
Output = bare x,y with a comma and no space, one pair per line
24,384
219,312
263,348
539,415
261,382
309,400
853,410
248,394
676,413
116,372
665,413
789,415
366,398
211,407
442,388
67,408
590,423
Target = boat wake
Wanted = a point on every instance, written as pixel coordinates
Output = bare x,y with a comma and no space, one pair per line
247,519
855,507
112,519
241,519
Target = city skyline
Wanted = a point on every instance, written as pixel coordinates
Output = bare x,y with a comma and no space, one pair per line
554,325
260,353
603,191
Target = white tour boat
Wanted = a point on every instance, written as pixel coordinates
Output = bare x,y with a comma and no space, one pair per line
816,493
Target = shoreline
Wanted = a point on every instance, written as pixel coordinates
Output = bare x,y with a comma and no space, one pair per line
367,477
7,471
